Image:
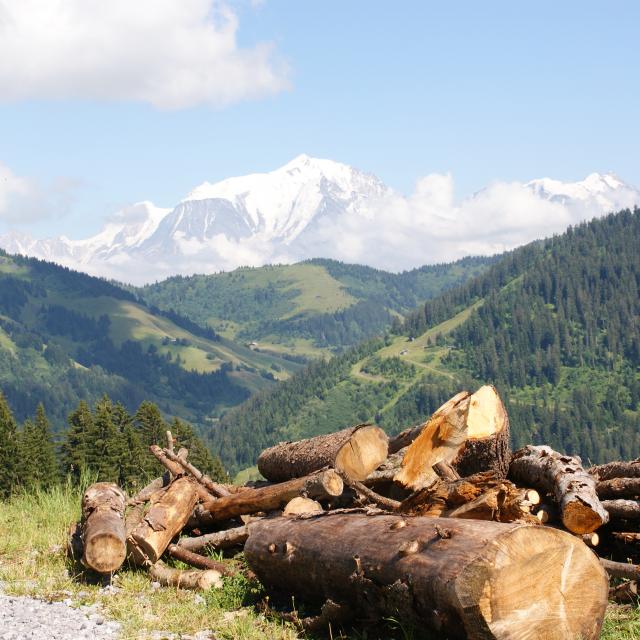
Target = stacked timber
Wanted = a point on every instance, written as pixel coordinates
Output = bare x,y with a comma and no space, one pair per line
440,526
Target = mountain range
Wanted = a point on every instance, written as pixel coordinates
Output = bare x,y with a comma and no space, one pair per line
312,208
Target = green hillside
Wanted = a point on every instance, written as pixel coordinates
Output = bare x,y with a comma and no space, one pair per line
555,325
309,308
66,336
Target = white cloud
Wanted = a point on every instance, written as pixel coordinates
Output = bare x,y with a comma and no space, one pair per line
173,54
24,201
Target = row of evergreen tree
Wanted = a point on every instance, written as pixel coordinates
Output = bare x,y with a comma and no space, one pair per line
103,442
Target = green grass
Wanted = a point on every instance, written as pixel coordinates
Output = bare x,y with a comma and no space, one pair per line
33,535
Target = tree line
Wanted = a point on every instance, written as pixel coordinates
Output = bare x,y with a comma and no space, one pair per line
103,442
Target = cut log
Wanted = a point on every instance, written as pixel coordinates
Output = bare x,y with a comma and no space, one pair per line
621,569
563,476
176,470
590,539
465,578
103,530
185,579
215,541
196,560
163,521
622,509
618,488
214,488
300,505
616,470
321,485
440,440
355,451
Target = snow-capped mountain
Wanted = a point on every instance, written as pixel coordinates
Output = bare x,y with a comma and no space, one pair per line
321,208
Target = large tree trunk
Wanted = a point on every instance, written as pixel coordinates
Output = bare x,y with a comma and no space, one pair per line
103,530
325,484
440,440
618,488
563,476
355,451
465,578
616,470
163,521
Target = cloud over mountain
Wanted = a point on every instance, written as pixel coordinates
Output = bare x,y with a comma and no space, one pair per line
172,54
321,208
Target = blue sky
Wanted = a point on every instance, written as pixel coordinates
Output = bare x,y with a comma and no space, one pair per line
484,90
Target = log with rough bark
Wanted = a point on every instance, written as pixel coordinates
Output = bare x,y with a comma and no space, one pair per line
214,488
621,569
299,505
215,541
196,560
465,578
355,451
616,470
166,518
563,476
622,509
618,488
103,528
440,440
185,579
320,485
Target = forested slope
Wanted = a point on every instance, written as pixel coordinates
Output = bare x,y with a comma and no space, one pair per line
554,324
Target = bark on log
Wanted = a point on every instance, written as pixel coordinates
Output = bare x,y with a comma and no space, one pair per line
185,579
622,509
214,541
439,441
355,451
574,489
465,578
214,488
616,470
196,560
618,488
299,505
487,447
163,521
103,530
324,484
621,569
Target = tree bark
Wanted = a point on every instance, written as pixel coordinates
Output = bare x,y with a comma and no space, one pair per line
166,518
618,488
487,447
324,484
616,470
465,578
219,540
440,440
103,530
563,476
355,451
622,509
621,569
185,579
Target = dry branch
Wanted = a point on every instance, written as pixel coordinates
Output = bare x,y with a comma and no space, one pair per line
214,488
185,579
218,540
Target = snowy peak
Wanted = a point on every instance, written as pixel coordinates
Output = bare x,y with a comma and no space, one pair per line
593,185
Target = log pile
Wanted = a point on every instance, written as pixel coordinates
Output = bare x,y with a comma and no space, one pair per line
441,526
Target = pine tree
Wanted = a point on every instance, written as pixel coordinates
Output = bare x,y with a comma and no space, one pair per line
104,445
74,449
151,429
8,450
38,464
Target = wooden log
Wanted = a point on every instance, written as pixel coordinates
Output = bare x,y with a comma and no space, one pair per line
503,503
563,476
299,505
176,470
163,521
215,541
440,440
616,470
621,569
590,539
464,578
630,537
370,495
625,593
355,451
321,485
618,488
146,492
214,488
196,560
185,579
622,509
103,529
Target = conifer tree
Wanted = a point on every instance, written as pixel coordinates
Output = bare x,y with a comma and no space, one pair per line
8,450
38,464
151,429
74,448
104,444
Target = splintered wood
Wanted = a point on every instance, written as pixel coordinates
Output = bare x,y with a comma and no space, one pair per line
440,526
